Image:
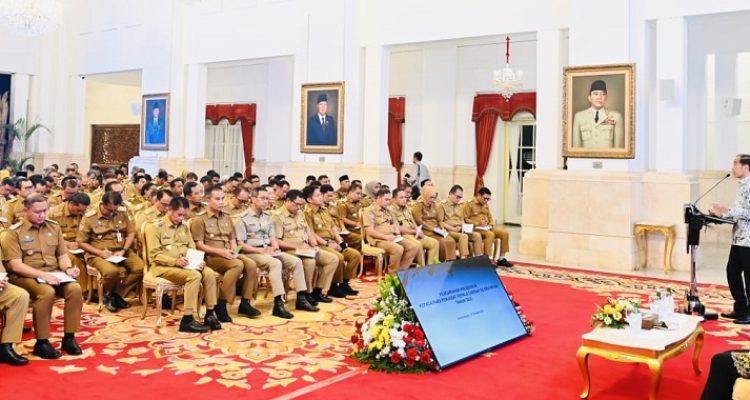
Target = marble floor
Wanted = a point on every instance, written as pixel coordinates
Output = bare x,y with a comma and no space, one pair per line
710,263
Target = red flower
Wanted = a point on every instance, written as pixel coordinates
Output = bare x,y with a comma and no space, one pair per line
420,343
395,357
370,313
361,344
355,339
408,328
408,338
418,334
412,354
358,325
410,363
425,358
428,352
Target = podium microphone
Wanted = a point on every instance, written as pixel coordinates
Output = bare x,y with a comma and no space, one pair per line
711,188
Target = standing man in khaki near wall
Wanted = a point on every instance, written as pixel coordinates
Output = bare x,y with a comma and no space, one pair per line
425,214
408,228
349,212
15,302
383,232
13,209
293,234
477,212
168,239
194,192
35,248
257,236
68,215
451,217
326,234
214,234
106,231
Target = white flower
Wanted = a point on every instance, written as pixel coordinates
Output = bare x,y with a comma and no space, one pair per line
607,320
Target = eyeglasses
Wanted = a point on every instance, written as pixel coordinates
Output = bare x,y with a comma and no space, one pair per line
486,198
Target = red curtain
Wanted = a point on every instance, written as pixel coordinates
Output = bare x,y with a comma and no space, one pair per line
245,113
487,107
396,114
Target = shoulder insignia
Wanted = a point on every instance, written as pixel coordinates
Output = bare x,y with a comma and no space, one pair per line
90,213
202,213
204,203
122,209
16,225
52,221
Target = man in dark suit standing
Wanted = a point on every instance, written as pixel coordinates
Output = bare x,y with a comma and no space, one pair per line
321,127
155,127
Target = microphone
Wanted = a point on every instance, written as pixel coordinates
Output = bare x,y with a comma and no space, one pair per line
712,188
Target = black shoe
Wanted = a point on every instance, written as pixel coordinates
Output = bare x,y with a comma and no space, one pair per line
95,297
247,309
279,310
166,302
504,263
303,304
192,326
732,315
45,350
70,346
211,321
9,356
309,298
320,297
348,289
119,301
336,291
111,304
744,320
221,312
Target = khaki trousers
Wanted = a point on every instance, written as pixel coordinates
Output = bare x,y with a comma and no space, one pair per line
326,264
132,267
447,246
348,263
463,243
431,245
83,277
192,280
280,266
14,302
231,270
400,255
354,240
489,237
43,296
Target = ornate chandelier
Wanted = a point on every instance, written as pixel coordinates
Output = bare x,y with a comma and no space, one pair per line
30,17
506,79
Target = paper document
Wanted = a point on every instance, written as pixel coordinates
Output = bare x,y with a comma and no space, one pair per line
482,228
61,276
195,258
3,275
307,253
398,239
440,231
75,251
344,233
115,259
467,228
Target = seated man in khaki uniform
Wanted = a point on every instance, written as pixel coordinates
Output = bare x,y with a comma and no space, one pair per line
239,203
477,212
168,239
35,248
294,234
424,212
322,225
194,192
105,232
68,215
349,211
214,234
451,218
158,210
383,232
14,302
408,228
257,236
69,188
13,209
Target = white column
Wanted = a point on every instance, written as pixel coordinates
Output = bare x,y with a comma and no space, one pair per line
195,110
550,59
726,125
439,112
375,131
671,74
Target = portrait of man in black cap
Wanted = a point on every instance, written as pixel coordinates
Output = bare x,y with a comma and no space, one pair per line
321,127
598,127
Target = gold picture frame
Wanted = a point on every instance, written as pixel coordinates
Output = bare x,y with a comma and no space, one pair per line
322,133
155,122
599,111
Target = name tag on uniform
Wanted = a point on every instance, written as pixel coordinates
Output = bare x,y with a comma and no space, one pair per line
28,239
119,236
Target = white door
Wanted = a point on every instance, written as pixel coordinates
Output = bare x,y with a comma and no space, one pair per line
520,158
224,147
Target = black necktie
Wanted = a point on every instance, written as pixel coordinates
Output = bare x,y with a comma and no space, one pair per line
596,117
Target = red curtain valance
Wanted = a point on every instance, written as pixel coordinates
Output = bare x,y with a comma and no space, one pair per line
396,119
245,114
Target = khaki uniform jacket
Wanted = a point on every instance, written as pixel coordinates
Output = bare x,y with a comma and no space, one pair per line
167,242
68,222
403,216
350,210
149,214
105,233
36,246
425,216
197,209
320,222
13,210
449,214
477,214
381,219
213,229
290,228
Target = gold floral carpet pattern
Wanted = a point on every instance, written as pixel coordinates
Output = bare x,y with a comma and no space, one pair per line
269,357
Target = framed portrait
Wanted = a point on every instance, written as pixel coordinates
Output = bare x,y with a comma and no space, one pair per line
322,118
155,122
599,112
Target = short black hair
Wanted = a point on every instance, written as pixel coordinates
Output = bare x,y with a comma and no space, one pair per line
163,192
382,192
178,202
112,198
146,188
320,178
187,190
191,175
308,191
418,156
108,186
175,180
205,179
293,194
484,191
455,188
80,198
326,188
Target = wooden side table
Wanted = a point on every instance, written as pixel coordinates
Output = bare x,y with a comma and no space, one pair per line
640,232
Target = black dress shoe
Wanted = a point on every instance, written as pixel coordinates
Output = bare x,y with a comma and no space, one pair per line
221,312
119,301
732,315
166,302
336,291
10,357
192,326
279,310
321,298
111,304
304,305
309,297
44,349
744,320
211,321
248,310
348,289
504,263
70,346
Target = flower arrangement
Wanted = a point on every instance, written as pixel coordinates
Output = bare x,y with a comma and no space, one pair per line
612,313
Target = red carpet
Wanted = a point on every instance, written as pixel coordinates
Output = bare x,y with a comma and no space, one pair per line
269,358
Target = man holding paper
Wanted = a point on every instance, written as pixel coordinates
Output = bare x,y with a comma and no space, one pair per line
383,232
477,212
68,215
257,236
37,256
424,211
168,240
410,230
450,215
107,234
